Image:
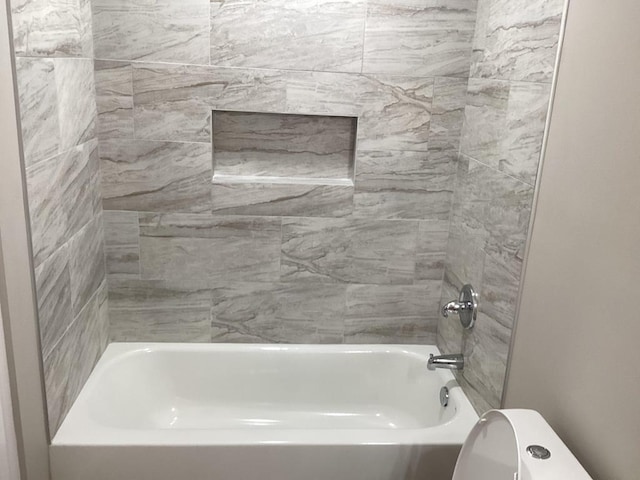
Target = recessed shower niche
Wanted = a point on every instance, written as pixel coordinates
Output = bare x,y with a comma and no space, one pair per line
282,164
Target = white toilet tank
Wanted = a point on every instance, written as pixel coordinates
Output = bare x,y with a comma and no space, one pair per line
516,445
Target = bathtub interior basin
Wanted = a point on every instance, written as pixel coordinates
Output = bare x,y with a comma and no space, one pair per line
149,394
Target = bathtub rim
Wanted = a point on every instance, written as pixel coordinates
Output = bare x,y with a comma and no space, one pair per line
79,429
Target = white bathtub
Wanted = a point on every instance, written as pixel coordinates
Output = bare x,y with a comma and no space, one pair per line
249,412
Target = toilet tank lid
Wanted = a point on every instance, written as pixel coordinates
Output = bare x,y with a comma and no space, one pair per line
530,429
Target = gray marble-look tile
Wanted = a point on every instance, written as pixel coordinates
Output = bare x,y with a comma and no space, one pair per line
466,194
348,250
38,108
174,102
93,321
161,30
114,99
486,348
392,313
275,145
499,293
521,143
155,176
51,29
309,199
431,250
57,366
467,233
122,247
53,291
485,120
86,262
136,294
503,207
395,184
396,113
191,325
289,35
504,125
278,312
157,310
447,116
419,37
465,256
76,101
61,198
475,397
85,31
69,364
325,93
57,105
516,39
450,335
185,246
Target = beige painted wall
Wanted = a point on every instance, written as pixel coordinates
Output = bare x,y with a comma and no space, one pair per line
576,357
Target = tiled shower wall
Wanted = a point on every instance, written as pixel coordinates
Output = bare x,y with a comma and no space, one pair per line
278,261
514,50
54,58
290,261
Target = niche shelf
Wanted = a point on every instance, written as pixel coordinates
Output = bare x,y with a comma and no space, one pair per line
282,164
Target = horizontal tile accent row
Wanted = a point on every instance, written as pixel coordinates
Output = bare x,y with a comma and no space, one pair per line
141,175
174,102
208,248
513,41
399,115
163,310
384,36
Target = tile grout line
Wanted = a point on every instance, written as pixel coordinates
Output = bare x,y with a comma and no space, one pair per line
497,171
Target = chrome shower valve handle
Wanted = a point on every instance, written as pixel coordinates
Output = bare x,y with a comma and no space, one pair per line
466,307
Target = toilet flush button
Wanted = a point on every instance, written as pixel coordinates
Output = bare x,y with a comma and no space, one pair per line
538,451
